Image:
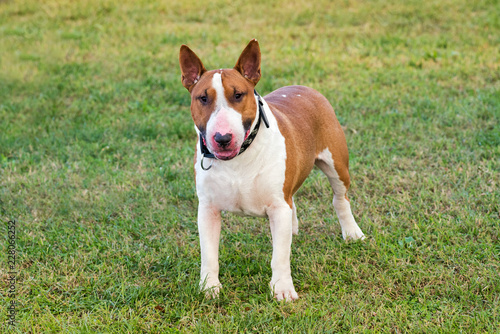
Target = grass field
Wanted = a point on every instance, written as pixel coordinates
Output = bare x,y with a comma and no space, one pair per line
96,147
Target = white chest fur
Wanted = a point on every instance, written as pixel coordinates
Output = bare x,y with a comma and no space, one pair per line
249,183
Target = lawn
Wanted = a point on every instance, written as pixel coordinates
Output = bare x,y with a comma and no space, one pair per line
96,147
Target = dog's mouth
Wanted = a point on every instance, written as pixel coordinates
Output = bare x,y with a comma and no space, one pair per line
226,154
231,151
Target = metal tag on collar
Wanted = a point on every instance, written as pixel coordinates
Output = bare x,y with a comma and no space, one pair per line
203,167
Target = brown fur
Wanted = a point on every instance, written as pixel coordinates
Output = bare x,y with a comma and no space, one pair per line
309,125
307,122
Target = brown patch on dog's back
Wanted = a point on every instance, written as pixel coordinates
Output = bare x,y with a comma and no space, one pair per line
307,121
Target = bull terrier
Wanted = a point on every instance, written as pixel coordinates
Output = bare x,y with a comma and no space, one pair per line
254,153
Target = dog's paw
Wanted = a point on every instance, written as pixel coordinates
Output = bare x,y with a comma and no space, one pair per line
213,292
283,289
353,234
211,288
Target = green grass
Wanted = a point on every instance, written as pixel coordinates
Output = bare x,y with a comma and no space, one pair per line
96,146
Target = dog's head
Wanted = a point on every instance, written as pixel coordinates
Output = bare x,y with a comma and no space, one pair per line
223,105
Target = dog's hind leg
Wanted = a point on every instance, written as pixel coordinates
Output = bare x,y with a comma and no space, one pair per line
340,184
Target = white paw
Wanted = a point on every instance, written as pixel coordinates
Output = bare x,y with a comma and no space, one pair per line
282,289
211,288
354,233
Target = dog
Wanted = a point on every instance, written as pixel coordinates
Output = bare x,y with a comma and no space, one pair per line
254,153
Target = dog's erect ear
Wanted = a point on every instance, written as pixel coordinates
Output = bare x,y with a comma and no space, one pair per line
191,67
249,62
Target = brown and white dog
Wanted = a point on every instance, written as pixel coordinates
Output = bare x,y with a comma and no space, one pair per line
253,155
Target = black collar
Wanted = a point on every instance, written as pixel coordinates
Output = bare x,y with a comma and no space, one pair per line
207,154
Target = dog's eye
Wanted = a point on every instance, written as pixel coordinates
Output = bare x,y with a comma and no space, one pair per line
203,99
238,96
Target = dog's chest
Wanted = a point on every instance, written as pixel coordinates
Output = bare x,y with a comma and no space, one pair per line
251,182
241,194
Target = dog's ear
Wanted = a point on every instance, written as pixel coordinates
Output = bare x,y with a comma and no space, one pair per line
249,62
191,67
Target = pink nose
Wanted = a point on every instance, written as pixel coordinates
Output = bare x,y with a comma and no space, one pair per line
223,140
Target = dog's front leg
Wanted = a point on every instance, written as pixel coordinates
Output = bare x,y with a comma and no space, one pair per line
281,284
209,221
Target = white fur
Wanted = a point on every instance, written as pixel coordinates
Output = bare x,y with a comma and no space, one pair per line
350,229
223,114
249,184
